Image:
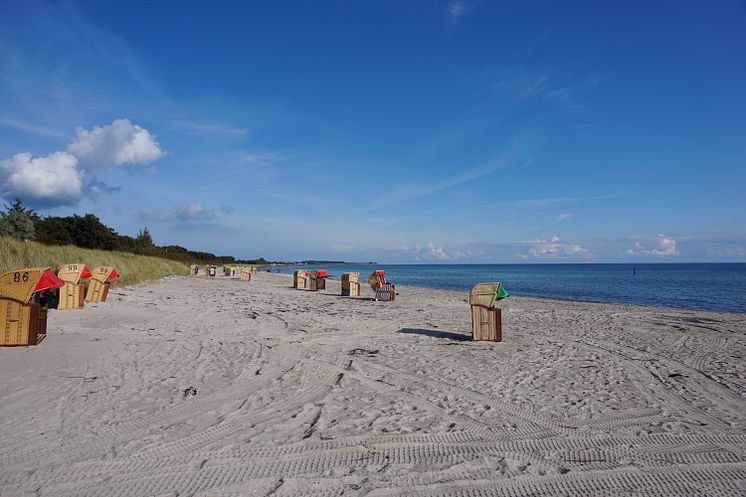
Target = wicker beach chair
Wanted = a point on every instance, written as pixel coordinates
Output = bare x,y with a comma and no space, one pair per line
350,284
300,279
486,317
317,280
22,317
245,274
98,287
384,290
72,294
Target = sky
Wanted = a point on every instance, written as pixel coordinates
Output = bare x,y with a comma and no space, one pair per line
402,132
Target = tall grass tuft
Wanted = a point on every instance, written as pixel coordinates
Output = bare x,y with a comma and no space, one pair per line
16,254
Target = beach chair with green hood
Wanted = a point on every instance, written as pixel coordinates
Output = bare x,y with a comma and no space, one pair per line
486,317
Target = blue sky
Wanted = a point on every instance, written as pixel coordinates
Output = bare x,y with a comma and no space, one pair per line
420,131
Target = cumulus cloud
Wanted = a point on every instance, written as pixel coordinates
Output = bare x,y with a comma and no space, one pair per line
117,144
428,251
563,217
52,180
554,247
186,213
663,246
193,211
62,178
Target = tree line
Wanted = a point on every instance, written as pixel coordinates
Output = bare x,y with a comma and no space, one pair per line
88,231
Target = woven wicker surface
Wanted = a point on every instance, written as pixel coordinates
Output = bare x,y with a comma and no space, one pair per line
71,272
21,283
102,273
484,293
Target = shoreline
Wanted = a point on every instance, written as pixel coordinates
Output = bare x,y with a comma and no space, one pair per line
552,299
225,387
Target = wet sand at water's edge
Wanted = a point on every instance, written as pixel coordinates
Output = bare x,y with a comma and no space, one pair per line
190,386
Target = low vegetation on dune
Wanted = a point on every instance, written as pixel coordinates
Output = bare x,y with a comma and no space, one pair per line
132,268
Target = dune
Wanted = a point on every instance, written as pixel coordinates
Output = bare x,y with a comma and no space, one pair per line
191,386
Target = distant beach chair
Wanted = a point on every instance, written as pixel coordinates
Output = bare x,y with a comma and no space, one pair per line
350,284
23,318
211,271
72,294
384,290
193,269
486,318
98,286
300,279
245,274
317,280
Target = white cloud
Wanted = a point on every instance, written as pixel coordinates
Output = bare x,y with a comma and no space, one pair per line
193,211
664,246
667,246
52,180
436,251
61,178
563,217
189,212
429,251
117,144
553,247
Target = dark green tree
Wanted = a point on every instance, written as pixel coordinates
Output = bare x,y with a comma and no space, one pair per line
17,221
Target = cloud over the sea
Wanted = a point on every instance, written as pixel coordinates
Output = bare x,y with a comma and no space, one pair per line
662,246
60,178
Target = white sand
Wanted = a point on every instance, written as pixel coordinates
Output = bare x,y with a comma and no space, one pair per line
579,398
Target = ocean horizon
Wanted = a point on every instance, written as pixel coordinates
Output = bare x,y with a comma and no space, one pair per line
697,286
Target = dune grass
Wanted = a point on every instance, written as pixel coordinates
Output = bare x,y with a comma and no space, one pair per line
16,254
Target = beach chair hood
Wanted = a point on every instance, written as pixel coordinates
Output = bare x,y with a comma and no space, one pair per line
21,284
105,273
487,294
73,273
377,279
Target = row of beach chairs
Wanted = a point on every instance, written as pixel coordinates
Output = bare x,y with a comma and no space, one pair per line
486,317
243,272
27,294
315,280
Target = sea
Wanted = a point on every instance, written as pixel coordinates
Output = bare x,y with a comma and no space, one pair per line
706,286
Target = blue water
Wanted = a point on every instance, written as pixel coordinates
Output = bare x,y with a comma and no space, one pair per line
714,287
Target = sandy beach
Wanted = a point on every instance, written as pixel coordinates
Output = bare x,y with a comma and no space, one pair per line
190,386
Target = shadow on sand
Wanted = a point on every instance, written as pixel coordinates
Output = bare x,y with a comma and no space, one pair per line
449,335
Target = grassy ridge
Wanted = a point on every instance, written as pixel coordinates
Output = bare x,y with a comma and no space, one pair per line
15,254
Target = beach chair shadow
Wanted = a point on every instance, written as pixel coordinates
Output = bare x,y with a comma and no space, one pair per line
448,335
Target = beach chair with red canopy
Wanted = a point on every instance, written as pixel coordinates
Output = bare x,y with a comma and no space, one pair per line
23,320
384,290
317,280
98,288
72,294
